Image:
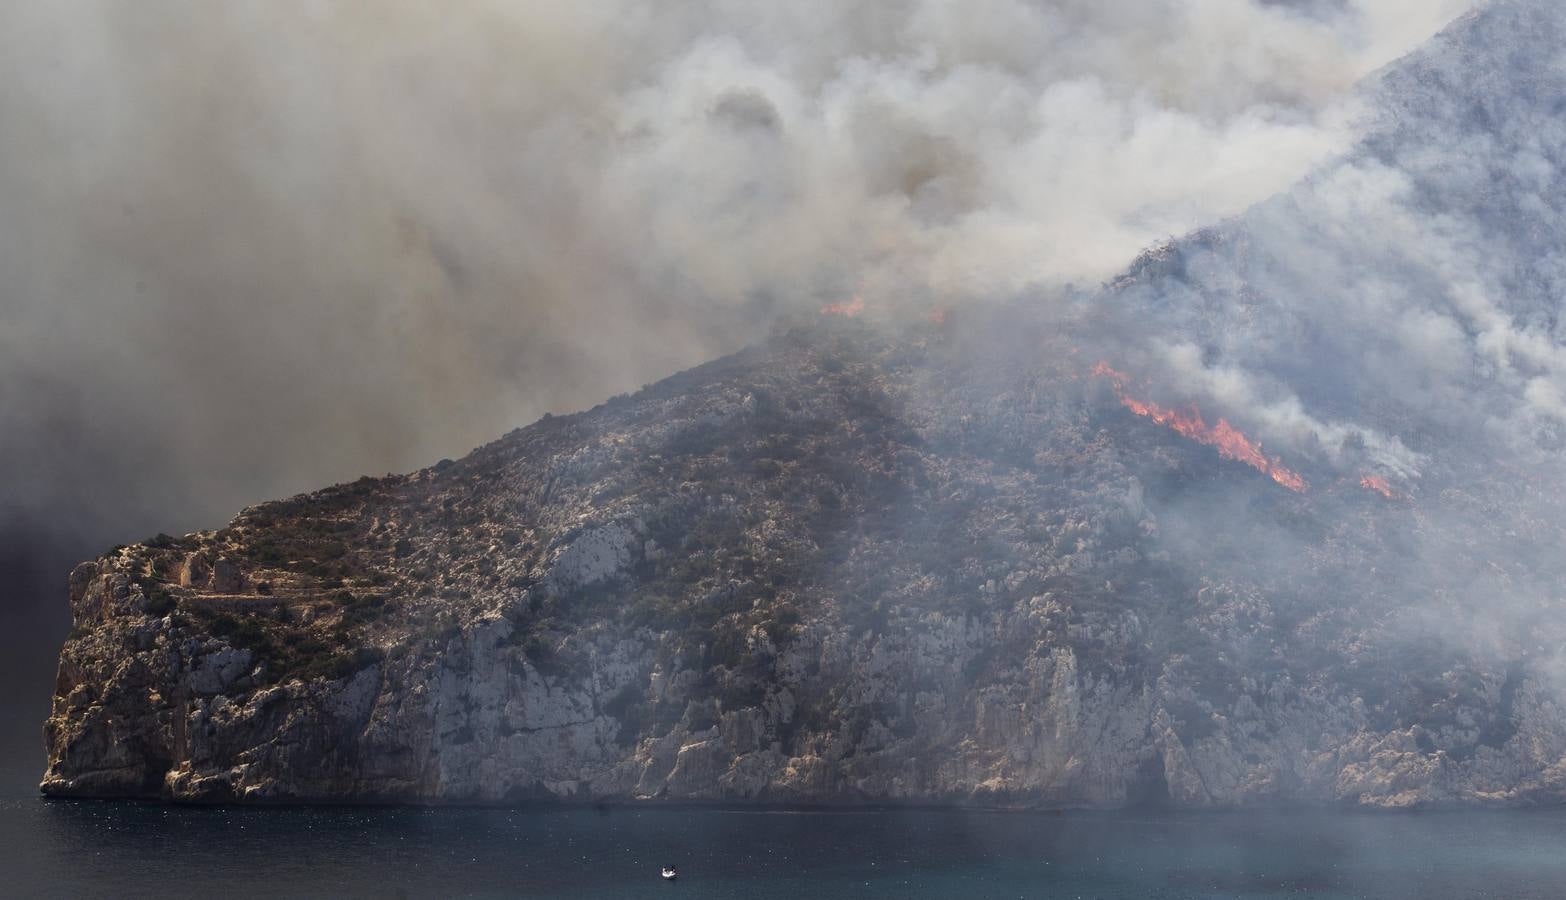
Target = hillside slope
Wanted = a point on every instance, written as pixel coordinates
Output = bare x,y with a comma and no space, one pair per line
1268,519
835,568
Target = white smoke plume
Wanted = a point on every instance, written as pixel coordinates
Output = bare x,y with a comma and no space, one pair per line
251,247
1407,291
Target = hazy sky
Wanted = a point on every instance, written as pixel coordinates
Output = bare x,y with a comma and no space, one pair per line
254,247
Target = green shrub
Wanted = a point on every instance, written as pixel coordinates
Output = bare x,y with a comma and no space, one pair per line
160,601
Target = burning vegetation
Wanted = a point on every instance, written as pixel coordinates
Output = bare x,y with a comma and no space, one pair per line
848,310
1379,485
1230,442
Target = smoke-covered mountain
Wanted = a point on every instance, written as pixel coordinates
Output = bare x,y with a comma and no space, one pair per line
1269,518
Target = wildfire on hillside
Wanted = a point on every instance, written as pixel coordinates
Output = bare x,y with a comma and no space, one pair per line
850,309
1379,485
1230,442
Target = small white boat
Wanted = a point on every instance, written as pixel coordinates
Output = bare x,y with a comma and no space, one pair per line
669,874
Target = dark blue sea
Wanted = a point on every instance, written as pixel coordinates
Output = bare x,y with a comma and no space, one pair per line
87,849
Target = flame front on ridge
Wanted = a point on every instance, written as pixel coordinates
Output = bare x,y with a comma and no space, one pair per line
1379,485
849,310
1230,442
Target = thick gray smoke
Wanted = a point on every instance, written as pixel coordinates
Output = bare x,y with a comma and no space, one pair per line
251,247
1410,288
1397,316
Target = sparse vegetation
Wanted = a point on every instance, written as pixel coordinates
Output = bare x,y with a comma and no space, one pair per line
789,524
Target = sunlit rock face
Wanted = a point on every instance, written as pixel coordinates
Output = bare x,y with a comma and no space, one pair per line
953,561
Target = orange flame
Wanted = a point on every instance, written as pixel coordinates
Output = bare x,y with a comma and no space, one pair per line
1379,485
1103,370
937,316
1230,442
848,310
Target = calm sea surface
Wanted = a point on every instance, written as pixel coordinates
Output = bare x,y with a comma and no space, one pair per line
77,849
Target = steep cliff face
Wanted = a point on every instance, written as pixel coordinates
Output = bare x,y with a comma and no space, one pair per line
956,562
837,568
